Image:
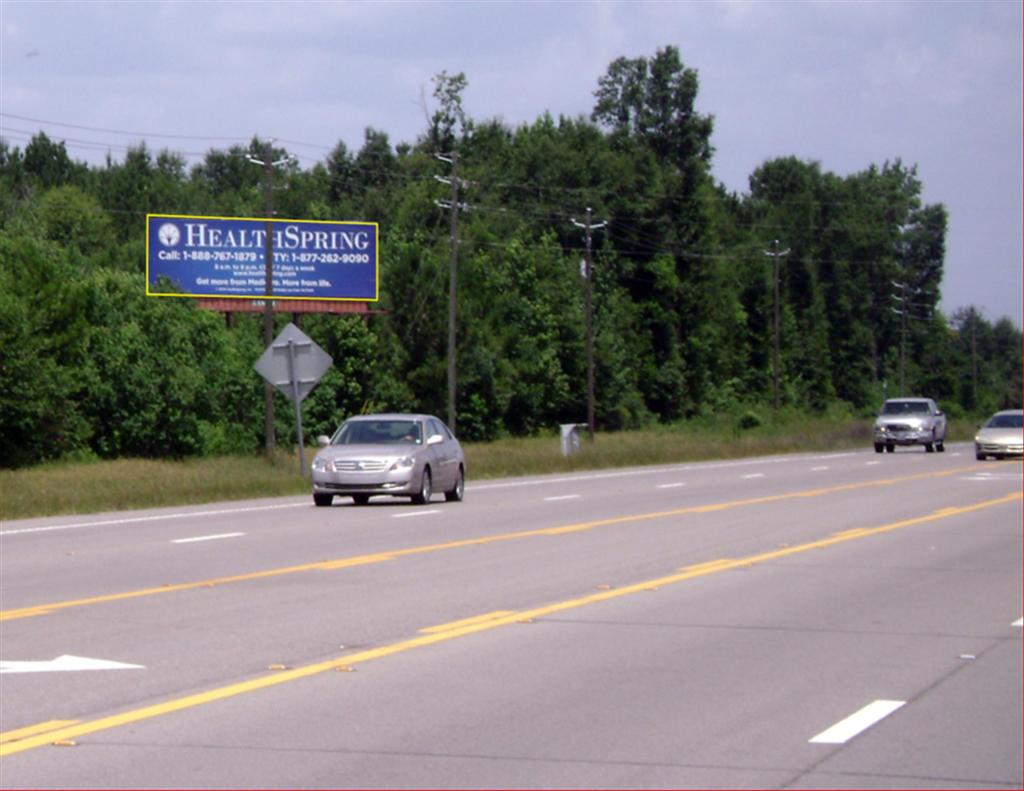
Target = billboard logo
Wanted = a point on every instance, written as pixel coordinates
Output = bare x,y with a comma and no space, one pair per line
169,235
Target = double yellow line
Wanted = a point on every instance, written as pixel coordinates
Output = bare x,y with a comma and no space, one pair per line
64,732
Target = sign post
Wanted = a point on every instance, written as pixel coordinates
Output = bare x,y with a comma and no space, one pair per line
294,363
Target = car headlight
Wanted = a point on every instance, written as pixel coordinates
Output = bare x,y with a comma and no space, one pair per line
404,463
319,465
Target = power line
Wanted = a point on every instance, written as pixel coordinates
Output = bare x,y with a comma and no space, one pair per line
165,135
746,201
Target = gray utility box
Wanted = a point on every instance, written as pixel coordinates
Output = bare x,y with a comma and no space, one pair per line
571,437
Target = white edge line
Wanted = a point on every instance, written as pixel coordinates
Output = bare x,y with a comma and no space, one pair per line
844,730
753,475
206,538
158,518
416,513
562,497
670,485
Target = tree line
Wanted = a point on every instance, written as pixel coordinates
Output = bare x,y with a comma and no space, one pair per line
684,283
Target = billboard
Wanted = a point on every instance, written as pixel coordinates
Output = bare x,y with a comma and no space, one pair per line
225,257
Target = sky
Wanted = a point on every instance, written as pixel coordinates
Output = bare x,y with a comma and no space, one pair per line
846,84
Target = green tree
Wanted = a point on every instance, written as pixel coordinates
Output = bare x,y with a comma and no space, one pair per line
448,124
42,332
47,163
75,219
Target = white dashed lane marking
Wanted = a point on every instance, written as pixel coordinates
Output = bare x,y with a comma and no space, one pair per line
860,721
206,538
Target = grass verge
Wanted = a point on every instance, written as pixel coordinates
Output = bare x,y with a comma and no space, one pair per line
125,484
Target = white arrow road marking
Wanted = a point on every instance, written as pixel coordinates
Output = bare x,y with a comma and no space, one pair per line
64,663
844,730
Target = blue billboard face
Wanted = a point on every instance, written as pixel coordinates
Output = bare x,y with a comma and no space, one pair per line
222,257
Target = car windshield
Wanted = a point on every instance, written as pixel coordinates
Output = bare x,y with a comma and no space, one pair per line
379,432
905,408
1005,421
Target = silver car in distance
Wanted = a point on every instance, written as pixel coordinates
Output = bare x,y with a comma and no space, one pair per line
403,455
1001,436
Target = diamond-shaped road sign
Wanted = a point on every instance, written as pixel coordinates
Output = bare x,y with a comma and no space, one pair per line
293,363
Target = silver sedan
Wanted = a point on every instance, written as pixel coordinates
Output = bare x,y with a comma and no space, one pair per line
403,455
1002,435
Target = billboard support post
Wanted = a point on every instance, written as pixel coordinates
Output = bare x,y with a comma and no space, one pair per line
297,400
268,305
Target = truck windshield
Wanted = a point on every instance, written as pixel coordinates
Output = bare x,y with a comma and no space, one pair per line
905,408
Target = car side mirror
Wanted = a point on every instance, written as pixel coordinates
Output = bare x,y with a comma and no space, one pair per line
323,440
434,439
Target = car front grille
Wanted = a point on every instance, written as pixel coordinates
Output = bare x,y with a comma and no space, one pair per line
997,448
350,465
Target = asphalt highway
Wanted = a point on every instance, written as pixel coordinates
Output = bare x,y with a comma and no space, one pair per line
843,620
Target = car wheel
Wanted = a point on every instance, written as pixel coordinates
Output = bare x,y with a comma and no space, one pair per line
890,448
980,456
879,447
323,500
360,499
456,493
940,447
423,495
929,447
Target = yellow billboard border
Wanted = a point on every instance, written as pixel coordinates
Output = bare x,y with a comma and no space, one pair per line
273,297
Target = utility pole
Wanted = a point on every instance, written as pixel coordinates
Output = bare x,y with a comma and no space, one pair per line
775,256
268,305
588,290
904,312
974,358
453,274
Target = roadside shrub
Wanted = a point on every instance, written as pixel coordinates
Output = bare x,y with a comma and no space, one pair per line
749,420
